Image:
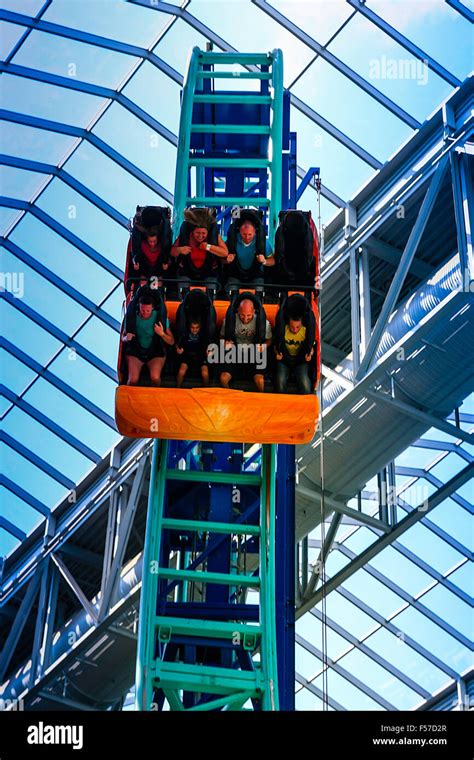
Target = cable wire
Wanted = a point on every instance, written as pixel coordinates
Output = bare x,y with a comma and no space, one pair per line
322,568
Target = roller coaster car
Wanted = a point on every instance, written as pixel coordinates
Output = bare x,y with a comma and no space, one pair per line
219,414
148,220
213,413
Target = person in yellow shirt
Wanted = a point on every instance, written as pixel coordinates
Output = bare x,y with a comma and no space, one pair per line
293,357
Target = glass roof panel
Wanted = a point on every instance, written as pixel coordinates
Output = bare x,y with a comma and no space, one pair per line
418,492
335,562
69,58
35,144
48,101
113,304
40,485
20,184
142,88
354,112
112,183
15,375
450,607
374,593
440,643
336,643
7,217
62,258
177,42
18,512
401,696
305,662
401,570
259,32
4,404
467,492
448,466
27,335
456,521
8,543
10,35
28,7
309,202
100,339
46,299
84,220
61,409
360,539
339,608
463,576
411,663
348,695
306,700
391,69
433,434
45,444
341,170
417,457
82,376
119,20
320,19
434,26
430,548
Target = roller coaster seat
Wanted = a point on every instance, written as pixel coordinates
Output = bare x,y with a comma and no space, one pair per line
148,220
297,306
198,217
187,227
296,249
156,297
196,306
229,329
256,218
129,322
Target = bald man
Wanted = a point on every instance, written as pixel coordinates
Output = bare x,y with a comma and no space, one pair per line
251,363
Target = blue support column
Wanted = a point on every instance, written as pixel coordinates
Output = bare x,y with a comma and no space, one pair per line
218,457
293,170
285,574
